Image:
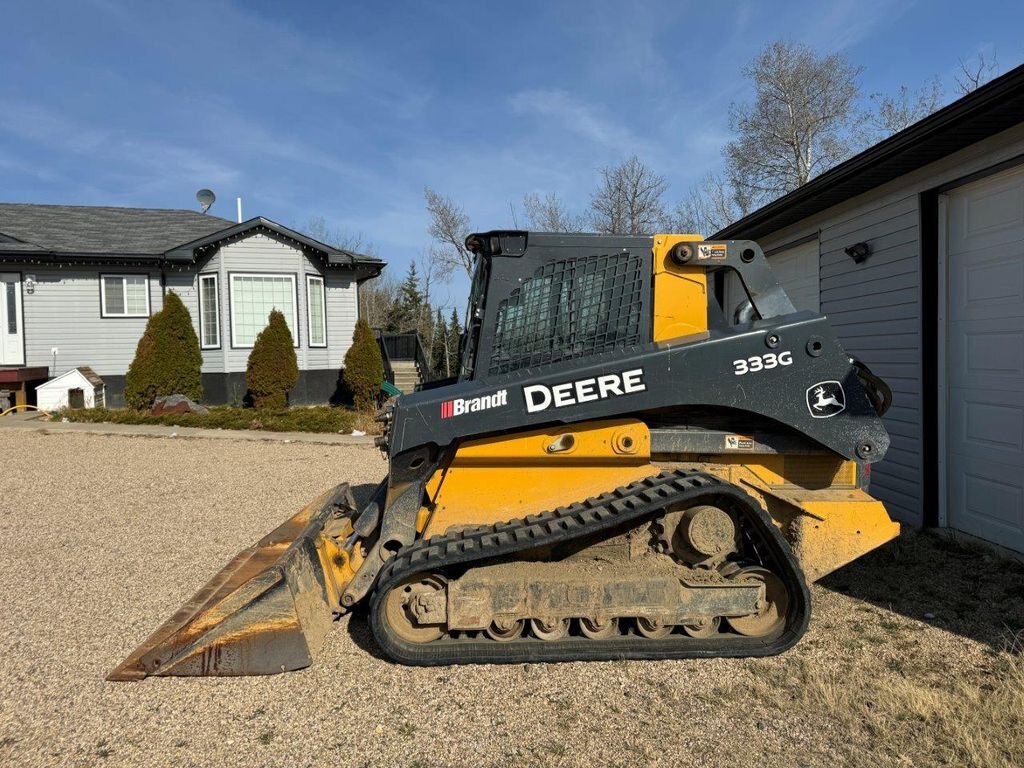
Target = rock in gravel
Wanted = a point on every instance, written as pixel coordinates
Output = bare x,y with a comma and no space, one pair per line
163,406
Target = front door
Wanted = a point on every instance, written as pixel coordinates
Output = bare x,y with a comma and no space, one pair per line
12,332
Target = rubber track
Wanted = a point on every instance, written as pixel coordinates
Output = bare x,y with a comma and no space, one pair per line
632,504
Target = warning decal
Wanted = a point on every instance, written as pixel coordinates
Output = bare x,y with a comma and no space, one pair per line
712,251
739,443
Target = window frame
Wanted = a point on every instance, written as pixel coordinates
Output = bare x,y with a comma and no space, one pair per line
104,314
309,311
202,312
293,326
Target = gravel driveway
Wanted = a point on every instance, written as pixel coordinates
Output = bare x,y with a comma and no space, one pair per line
102,538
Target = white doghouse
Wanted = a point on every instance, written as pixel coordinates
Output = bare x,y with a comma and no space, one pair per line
78,388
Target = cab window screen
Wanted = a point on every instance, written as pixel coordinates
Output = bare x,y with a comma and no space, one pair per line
568,309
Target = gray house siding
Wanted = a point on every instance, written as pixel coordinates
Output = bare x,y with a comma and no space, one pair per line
876,306
63,311
260,253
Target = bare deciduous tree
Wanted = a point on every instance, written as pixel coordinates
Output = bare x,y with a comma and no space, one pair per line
798,124
377,299
317,228
894,113
975,72
549,214
628,200
449,227
711,205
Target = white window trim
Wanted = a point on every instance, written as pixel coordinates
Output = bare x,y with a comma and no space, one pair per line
202,309
124,280
293,326
309,309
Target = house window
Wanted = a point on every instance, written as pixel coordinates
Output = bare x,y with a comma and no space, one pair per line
12,308
124,296
209,312
316,311
252,298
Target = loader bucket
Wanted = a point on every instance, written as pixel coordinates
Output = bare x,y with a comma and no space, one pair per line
267,611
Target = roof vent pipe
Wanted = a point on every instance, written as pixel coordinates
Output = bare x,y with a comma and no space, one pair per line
239,200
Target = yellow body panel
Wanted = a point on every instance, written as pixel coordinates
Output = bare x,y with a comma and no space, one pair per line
680,292
502,478
815,502
833,533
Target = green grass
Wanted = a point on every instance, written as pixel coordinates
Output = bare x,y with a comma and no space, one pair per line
314,419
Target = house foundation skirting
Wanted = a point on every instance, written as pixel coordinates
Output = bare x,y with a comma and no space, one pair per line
314,388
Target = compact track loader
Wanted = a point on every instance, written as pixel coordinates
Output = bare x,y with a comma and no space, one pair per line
622,469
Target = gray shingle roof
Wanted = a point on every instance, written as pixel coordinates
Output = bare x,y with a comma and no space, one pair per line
102,230
98,234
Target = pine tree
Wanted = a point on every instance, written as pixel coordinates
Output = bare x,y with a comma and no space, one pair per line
272,369
363,373
439,346
453,343
167,360
409,307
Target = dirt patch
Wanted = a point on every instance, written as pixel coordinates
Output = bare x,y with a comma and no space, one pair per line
102,538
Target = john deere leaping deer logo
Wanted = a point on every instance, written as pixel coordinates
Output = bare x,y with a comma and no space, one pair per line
825,399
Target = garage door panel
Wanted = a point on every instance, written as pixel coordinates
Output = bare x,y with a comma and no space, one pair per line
989,431
989,502
987,284
984,419
988,213
980,356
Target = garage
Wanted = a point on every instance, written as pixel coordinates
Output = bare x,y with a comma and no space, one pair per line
982,429
914,250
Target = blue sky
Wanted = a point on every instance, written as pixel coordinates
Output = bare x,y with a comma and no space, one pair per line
346,110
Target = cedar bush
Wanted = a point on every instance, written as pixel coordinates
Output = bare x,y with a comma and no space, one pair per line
364,368
167,359
272,369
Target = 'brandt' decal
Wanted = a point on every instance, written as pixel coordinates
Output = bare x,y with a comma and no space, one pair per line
461,405
540,397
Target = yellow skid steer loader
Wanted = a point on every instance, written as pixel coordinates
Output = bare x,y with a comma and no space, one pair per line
623,468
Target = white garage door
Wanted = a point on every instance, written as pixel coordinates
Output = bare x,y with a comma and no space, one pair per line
984,345
796,268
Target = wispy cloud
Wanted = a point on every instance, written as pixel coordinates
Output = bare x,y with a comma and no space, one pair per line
567,112
118,152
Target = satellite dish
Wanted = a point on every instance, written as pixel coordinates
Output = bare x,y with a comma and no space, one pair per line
206,198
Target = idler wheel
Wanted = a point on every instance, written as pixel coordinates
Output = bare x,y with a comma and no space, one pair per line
771,610
409,610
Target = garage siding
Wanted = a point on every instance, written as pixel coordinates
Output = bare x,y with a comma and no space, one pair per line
875,309
875,306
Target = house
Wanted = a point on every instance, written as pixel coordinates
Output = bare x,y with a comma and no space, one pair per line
915,251
78,284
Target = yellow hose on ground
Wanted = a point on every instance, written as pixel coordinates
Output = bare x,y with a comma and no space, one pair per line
18,407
